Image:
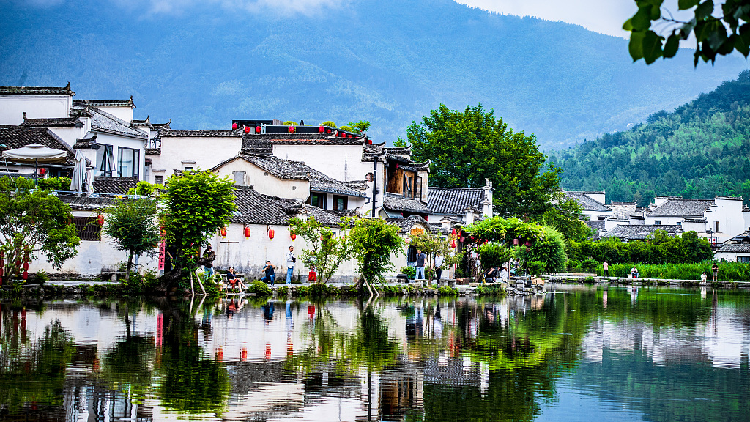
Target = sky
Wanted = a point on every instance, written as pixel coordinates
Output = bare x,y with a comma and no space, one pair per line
603,16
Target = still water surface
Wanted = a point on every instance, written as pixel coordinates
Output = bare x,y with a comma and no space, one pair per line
616,354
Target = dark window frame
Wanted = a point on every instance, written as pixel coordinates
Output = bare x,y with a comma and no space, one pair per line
344,199
88,228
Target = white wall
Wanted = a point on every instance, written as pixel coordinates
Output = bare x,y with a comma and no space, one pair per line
69,134
266,183
341,162
206,152
35,106
123,113
728,212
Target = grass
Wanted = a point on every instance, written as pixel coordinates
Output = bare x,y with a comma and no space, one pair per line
728,271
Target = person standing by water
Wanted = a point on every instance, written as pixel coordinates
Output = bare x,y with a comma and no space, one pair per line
290,260
438,264
270,274
421,257
605,265
715,271
208,261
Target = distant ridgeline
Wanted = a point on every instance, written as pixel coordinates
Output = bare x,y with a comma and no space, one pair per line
700,150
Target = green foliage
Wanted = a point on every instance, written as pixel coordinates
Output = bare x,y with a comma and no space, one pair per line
490,290
447,291
131,223
701,150
283,291
410,272
400,143
144,188
498,229
196,205
465,148
548,249
494,254
433,245
359,127
54,183
290,123
567,217
328,123
140,284
31,222
346,128
372,243
319,290
714,34
659,248
259,288
728,271
326,250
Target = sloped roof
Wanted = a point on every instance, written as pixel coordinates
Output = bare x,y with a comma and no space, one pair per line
36,90
737,244
86,203
454,201
679,207
104,122
166,132
105,103
116,185
640,232
20,136
405,224
399,203
289,169
588,203
53,122
256,208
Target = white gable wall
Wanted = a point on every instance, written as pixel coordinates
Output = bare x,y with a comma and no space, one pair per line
265,182
35,106
123,113
728,214
199,152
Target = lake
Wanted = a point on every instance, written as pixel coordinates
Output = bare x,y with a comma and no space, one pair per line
576,353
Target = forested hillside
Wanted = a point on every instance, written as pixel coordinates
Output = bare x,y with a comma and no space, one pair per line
386,61
700,150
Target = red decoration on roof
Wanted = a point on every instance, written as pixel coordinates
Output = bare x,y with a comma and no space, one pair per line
234,126
257,129
247,129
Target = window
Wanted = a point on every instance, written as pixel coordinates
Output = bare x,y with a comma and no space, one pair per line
408,186
318,200
105,160
239,178
88,228
188,168
159,180
418,187
340,203
128,162
745,259
657,222
716,227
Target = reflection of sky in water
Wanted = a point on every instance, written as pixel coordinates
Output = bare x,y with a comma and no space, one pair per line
619,354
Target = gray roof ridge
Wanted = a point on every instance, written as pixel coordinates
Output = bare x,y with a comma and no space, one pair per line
139,133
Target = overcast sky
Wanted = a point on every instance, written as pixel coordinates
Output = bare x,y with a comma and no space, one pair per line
604,16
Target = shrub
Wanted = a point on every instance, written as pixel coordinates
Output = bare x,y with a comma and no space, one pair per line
283,291
535,267
589,265
490,290
447,291
259,288
728,271
410,272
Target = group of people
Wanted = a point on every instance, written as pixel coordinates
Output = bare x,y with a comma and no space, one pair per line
269,270
420,262
496,274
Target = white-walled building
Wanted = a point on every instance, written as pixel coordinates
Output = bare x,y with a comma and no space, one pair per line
718,219
736,249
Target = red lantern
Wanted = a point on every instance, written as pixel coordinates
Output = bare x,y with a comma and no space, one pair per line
328,130
25,275
100,219
42,171
257,129
25,266
223,232
291,129
453,232
320,129
1,271
271,233
234,126
247,231
369,141
294,236
247,129
453,243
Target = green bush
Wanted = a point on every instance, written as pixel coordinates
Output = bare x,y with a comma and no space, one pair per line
490,290
494,254
589,265
283,291
410,272
259,288
54,183
659,248
535,267
728,271
548,249
447,291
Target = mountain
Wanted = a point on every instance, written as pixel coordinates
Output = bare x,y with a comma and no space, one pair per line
700,150
386,61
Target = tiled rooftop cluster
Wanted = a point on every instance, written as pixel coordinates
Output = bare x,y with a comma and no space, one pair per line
20,136
588,203
676,206
454,201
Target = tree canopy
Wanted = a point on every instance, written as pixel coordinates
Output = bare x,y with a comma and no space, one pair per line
714,34
467,147
196,205
31,222
131,223
372,242
325,251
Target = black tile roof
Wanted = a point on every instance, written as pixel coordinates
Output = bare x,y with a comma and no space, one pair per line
106,103
104,122
36,90
53,122
405,224
289,169
640,232
20,136
299,139
116,185
454,201
679,207
737,244
399,203
588,203
86,203
171,133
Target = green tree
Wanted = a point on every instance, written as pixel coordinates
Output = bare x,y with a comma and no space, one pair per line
32,222
434,245
328,123
548,249
372,243
144,188
360,126
196,205
714,34
494,254
566,216
467,147
131,223
326,250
